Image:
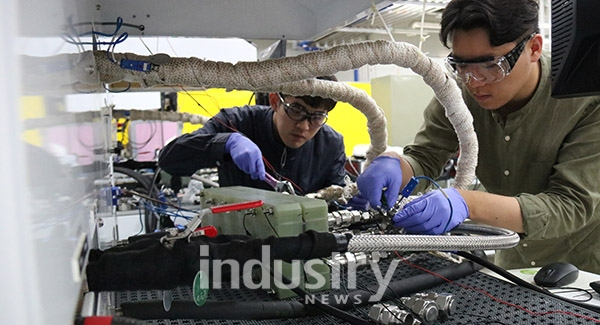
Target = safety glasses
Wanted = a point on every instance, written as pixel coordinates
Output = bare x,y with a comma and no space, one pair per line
488,69
298,113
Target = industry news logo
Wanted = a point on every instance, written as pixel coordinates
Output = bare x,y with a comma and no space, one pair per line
264,274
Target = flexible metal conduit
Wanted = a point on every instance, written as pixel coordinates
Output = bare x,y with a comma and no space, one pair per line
486,237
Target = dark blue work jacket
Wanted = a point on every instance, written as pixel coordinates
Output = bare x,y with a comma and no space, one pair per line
319,163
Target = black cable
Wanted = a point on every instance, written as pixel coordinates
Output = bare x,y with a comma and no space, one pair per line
244,310
584,292
395,299
323,307
408,286
139,27
518,281
116,320
148,184
145,181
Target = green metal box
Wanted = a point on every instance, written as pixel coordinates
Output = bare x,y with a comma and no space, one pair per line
282,215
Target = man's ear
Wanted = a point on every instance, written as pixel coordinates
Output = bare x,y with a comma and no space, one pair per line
536,47
274,101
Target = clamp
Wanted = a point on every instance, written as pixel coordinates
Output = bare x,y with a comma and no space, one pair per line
192,230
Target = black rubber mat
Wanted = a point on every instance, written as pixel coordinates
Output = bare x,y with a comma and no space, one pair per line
479,299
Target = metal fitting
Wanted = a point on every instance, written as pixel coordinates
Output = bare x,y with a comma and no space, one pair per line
444,301
426,309
375,312
344,218
378,256
395,315
359,260
390,314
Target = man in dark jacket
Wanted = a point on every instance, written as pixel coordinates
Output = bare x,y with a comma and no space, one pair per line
288,139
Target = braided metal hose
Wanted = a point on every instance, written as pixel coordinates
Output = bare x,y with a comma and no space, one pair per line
488,237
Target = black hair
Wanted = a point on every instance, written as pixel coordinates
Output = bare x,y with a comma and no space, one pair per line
317,101
504,20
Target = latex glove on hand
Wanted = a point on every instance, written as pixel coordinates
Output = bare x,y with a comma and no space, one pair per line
246,155
431,214
384,172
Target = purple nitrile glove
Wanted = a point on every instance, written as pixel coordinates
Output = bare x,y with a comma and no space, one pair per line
246,155
384,172
430,214
358,202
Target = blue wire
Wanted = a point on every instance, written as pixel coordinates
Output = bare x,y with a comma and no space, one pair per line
429,179
159,210
112,45
447,198
120,39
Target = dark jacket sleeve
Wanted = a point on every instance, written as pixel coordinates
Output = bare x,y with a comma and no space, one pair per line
338,170
203,148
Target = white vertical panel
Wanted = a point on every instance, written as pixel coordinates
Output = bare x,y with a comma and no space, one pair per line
46,187
17,297
52,157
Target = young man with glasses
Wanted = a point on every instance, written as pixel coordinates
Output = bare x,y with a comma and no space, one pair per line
289,140
539,157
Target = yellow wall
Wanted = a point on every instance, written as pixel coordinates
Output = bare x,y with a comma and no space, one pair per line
32,107
350,122
209,102
346,119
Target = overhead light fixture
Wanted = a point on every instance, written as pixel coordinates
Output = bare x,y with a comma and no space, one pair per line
426,25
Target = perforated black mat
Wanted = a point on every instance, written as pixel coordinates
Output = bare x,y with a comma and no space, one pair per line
479,299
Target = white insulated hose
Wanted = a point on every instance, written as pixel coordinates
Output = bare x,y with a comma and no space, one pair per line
287,75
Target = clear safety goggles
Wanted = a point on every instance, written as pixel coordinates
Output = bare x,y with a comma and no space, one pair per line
488,69
298,113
